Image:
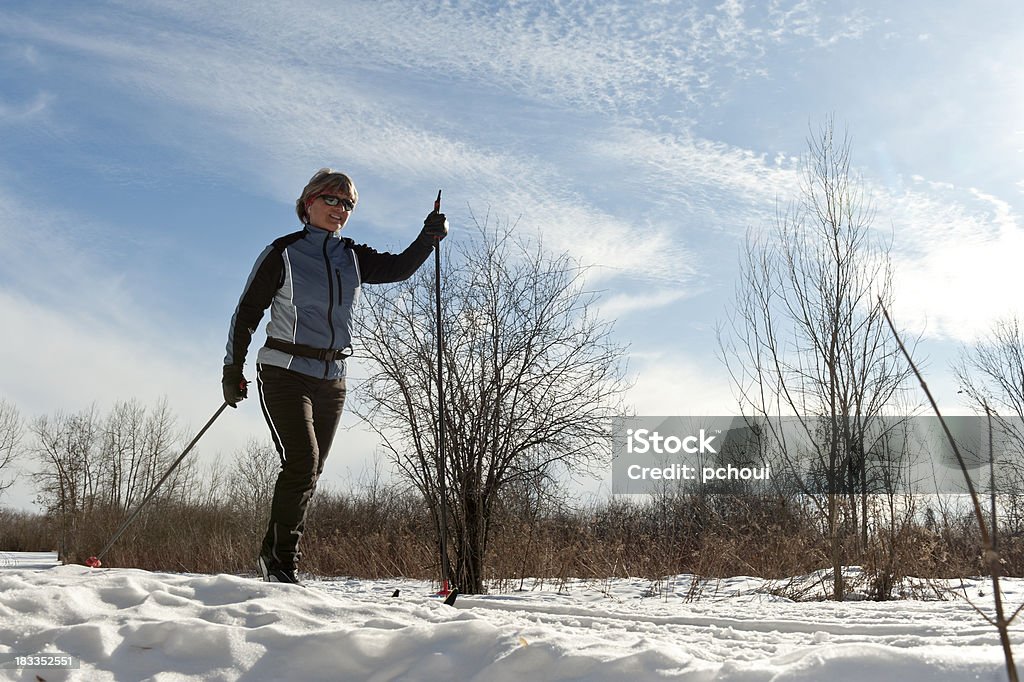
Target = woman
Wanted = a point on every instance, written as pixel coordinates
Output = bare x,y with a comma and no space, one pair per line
311,282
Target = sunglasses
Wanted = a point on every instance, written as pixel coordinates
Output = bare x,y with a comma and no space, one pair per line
331,200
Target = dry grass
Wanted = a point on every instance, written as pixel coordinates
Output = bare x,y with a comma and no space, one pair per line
367,534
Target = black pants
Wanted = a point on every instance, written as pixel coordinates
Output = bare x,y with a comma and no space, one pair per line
303,413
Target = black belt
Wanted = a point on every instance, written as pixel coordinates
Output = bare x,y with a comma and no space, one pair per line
304,351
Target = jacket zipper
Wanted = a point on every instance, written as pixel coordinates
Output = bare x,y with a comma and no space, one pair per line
330,301
341,291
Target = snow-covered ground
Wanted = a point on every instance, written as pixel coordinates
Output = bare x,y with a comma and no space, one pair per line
124,624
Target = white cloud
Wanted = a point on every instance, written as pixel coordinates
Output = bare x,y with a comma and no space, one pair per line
95,360
620,305
22,112
283,89
737,186
670,383
809,19
958,290
278,112
954,249
49,265
1003,218
605,57
956,261
608,56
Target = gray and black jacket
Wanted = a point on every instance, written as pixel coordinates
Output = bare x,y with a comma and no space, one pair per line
311,282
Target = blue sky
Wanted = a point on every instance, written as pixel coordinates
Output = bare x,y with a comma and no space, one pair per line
149,150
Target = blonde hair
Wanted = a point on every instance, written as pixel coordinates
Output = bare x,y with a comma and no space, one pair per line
324,181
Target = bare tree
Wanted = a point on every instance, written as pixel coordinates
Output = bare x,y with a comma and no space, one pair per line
532,379
251,484
11,431
138,448
89,464
122,451
808,337
67,449
991,374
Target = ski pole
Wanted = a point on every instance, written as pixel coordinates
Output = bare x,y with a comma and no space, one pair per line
95,561
442,490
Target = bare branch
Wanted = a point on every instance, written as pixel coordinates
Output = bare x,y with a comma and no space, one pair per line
532,378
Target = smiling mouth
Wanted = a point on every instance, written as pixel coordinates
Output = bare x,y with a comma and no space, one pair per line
335,218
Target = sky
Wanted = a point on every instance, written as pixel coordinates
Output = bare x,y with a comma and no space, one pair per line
150,150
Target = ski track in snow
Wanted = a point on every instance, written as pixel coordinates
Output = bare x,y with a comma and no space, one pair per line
127,624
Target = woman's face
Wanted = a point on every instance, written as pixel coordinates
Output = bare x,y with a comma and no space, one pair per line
327,217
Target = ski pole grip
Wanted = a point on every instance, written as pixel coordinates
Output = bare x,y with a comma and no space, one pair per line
437,209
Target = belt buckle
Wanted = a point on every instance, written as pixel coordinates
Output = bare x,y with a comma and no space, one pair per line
334,354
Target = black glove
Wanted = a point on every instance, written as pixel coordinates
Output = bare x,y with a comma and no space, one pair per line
436,226
236,388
